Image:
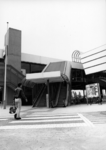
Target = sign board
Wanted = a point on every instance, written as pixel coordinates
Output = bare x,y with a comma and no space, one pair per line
93,90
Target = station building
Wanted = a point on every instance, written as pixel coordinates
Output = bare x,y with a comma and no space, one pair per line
49,82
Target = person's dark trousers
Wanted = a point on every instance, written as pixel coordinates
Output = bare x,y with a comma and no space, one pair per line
100,100
91,101
88,100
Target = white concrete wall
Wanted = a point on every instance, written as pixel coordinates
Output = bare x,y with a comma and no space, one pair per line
68,70
1,53
34,58
37,59
44,76
95,69
93,51
77,65
94,60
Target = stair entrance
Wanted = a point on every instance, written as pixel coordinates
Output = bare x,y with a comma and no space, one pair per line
62,95
58,94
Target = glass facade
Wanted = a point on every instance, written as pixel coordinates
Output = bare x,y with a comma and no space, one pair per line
78,75
32,67
1,60
26,66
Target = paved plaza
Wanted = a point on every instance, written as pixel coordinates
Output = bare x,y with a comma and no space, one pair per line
77,127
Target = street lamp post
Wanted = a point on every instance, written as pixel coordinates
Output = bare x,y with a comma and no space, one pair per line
5,72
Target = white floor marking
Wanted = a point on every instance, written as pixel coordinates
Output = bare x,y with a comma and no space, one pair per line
43,126
89,123
40,121
3,119
40,117
49,115
18,124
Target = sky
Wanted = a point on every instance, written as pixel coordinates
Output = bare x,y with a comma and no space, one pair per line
55,28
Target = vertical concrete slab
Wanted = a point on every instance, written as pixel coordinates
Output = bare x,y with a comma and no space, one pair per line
14,48
10,95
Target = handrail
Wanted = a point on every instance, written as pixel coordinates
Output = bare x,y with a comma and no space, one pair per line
15,70
13,75
8,83
46,67
10,66
65,67
37,95
65,77
57,97
28,83
36,99
42,92
67,96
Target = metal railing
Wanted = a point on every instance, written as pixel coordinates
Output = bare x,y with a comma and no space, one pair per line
35,100
13,75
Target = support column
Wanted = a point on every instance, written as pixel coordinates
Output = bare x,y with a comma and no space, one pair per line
48,92
70,94
32,96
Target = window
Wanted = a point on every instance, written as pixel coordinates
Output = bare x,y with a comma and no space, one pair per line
26,66
77,75
1,60
37,68
31,67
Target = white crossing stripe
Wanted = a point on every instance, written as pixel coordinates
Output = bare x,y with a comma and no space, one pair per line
49,121
43,126
88,122
44,117
96,118
3,119
40,121
50,115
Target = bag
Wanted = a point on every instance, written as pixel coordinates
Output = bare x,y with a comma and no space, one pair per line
12,109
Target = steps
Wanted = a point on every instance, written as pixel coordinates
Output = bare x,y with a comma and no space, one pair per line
62,95
42,99
13,76
38,93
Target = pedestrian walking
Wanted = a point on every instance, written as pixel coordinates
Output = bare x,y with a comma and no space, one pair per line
86,99
101,97
19,95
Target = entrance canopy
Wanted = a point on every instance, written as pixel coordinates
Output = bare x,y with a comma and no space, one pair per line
54,72
42,77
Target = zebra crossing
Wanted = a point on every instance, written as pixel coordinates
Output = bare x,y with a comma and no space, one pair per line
97,118
41,121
